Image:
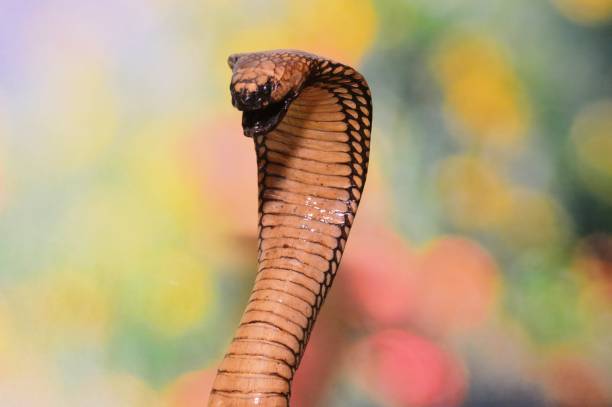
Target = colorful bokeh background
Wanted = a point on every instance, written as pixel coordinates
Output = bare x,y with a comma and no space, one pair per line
479,270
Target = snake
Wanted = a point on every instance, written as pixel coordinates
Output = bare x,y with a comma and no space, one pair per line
310,118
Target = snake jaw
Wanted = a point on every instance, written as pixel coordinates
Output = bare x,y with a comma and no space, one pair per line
261,114
259,122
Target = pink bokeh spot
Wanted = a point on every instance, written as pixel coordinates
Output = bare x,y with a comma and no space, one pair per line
459,285
225,163
450,287
404,369
377,264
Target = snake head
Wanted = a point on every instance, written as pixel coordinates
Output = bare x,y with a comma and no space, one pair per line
262,87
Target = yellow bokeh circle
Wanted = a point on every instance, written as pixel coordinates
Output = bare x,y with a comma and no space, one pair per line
474,194
482,94
342,29
587,12
176,294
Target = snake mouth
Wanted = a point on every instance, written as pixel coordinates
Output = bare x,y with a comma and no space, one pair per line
261,113
261,121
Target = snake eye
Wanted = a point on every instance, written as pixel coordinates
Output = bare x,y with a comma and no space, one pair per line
266,89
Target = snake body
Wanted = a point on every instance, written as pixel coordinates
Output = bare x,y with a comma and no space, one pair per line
310,118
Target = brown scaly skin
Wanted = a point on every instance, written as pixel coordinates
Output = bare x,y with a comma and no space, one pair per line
310,118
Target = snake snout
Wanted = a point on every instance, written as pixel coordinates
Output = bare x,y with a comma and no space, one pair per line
246,100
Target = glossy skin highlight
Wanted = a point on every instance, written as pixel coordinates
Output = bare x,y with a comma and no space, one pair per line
310,119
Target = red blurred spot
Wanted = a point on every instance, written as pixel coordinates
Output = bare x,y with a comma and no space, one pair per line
572,382
458,284
406,370
376,267
450,287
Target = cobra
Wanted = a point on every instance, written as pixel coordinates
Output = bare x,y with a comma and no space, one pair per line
310,118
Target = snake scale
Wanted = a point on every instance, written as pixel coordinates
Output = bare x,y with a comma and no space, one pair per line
310,118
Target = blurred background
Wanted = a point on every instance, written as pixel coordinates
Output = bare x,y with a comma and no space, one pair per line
479,270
